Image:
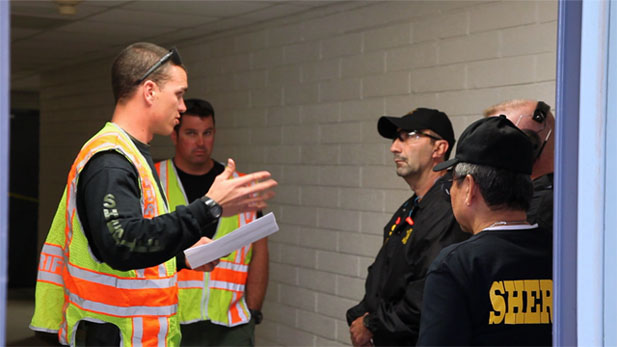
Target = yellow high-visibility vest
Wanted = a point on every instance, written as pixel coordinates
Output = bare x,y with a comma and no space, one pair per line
72,285
217,296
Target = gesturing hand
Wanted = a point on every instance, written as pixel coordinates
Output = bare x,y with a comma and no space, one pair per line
238,195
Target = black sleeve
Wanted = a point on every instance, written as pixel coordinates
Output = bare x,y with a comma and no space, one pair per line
541,205
124,239
544,216
355,312
446,320
403,316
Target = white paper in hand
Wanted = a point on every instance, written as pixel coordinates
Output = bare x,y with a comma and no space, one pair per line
243,236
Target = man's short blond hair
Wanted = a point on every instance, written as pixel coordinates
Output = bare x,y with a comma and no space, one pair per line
514,103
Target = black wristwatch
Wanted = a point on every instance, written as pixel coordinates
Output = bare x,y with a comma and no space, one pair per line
257,316
213,207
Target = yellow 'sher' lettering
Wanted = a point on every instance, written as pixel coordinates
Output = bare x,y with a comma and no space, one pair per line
521,302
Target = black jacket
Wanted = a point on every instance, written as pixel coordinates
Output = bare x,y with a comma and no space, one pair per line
494,289
541,207
395,281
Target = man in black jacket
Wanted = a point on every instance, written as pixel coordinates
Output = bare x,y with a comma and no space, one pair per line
389,313
494,289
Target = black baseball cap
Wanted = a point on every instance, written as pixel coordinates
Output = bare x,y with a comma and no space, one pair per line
494,142
418,119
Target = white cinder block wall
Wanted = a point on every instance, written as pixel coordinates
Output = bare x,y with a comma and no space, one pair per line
301,97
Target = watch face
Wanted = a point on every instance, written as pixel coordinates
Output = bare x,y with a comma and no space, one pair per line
214,208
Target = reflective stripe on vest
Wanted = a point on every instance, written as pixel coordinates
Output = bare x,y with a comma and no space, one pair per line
217,296
149,326
121,283
190,279
93,290
237,312
120,311
51,264
229,276
49,299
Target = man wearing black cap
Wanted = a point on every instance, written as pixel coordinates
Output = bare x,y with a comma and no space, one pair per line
389,313
536,120
496,287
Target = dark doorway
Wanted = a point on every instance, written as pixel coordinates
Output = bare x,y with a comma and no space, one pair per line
23,198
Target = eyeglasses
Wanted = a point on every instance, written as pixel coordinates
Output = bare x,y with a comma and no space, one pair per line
446,184
172,55
414,134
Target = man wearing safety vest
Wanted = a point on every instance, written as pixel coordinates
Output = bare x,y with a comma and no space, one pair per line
107,274
219,308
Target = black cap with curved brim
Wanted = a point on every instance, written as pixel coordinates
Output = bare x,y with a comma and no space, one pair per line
418,119
494,142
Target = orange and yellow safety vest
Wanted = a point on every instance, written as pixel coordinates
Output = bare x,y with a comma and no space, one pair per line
217,296
72,285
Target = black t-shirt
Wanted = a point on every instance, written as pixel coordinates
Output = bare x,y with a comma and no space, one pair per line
494,289
541,206
144,242
395,282
196,186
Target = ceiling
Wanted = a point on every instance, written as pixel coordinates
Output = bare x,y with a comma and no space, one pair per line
42,38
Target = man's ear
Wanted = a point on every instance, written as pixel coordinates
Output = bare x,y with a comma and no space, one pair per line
470,190
440,148
149,91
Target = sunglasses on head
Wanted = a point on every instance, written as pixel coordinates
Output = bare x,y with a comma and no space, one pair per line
172,55
539,114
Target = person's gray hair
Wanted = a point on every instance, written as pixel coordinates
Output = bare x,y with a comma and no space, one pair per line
499,188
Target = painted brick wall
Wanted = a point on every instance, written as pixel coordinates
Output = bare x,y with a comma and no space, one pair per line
300,97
